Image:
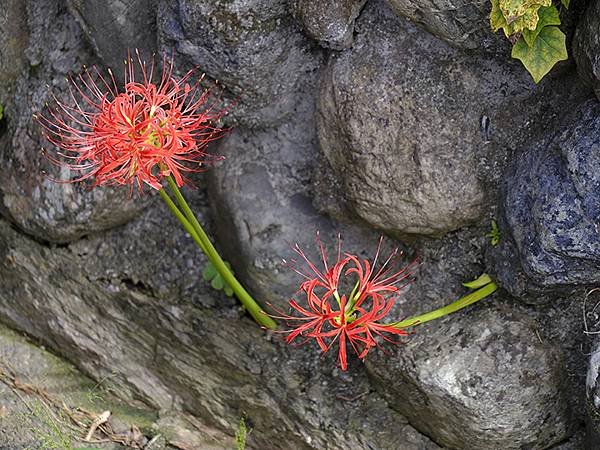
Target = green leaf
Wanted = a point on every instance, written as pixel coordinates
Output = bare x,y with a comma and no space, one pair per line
217,283
497,19
565,3
483,279
513,9
494,234
547,50
514,16
547,16
1,112
209,272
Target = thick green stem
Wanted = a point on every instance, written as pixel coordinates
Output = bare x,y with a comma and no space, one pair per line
462,302
189,221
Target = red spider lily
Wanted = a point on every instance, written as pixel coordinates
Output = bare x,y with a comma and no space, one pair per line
137,136
355,319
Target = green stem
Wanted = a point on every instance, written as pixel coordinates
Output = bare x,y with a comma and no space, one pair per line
461,303
192,226
190,216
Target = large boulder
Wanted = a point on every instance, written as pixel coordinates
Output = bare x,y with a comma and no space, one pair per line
480,381
551,212
50,211
255,48
414,130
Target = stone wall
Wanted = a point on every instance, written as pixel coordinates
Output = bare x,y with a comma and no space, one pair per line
362,117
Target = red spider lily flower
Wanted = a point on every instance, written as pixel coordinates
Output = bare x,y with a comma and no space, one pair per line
137,136
329,318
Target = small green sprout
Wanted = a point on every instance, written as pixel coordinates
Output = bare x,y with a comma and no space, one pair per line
217,282
240,434
494,234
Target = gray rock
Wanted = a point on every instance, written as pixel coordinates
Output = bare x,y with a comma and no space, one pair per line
47,210
204,362
484,382
116,26
586,46
462,23
413,129
551,212
330,22
255,48
261,200
13,41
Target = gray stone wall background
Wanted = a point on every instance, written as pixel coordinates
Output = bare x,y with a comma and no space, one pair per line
365,117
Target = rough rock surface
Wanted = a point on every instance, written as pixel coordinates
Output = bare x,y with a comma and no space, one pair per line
13,41
462,23
482,383
110,24
413,129
331,22
254,47
43,208
586,46
261,199
407,124
592,406
556,329
176,354
552,211
26,424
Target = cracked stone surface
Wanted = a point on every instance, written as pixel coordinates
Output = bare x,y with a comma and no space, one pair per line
417,133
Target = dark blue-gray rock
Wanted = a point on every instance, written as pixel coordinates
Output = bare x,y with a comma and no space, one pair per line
551,211
331,22
586,46
50,211
415,132
481,381
117,26
255,48
462,23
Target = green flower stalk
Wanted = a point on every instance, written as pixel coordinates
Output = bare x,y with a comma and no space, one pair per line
142,136
194,229
330,316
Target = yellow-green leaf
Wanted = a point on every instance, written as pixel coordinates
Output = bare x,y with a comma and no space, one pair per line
565,3
483,279
521,14
497,20
546,51
512,9
548,15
